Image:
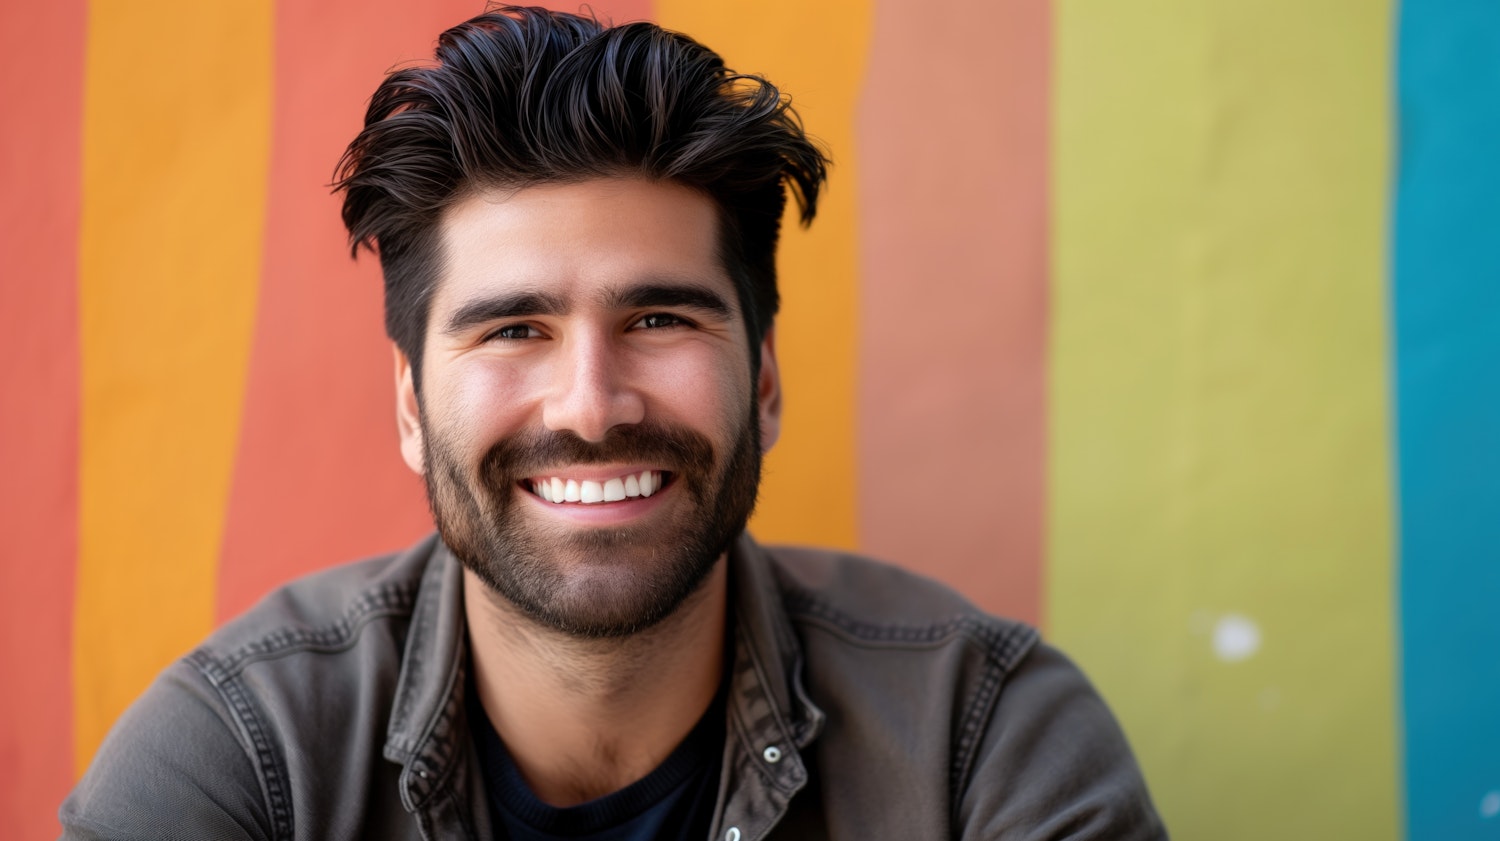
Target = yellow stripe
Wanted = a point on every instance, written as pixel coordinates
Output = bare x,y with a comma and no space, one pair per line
1219,434
175,156
809,493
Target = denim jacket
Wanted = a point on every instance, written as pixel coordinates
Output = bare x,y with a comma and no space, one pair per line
865,703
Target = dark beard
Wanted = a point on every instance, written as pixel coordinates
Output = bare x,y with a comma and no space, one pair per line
597,583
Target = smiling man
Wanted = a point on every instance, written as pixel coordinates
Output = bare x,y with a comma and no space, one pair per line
577,228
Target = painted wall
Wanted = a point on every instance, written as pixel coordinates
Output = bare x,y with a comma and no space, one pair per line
1172,327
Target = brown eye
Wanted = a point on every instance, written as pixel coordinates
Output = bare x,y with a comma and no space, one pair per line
659,320
513,332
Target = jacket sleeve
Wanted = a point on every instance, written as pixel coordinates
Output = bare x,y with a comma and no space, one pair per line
173,766
1053,764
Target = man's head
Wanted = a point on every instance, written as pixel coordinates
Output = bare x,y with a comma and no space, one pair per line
577,227
519,97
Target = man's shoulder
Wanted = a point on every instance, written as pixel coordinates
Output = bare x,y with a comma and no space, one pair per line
873,601
285,709
324,610
971,717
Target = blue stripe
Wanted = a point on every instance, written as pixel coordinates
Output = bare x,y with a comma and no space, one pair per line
1447,361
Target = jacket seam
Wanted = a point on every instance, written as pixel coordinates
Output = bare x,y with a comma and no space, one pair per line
980,711
274,778
969,734
389,600
1002,641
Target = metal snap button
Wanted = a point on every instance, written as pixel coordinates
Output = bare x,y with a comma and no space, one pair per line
733,834
772,754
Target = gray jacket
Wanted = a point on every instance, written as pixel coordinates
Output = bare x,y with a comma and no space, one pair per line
865,703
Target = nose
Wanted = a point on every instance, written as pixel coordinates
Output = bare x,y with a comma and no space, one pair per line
591,391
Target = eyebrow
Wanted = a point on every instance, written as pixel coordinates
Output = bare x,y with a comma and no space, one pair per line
668,295
499,307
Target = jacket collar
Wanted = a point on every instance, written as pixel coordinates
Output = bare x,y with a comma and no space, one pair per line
768,657
428,732
769,707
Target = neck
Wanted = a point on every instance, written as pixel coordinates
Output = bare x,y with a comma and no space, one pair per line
583,718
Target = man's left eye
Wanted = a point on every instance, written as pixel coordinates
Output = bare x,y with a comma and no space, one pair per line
659,320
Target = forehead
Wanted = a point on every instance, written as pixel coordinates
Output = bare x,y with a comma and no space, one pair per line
574,240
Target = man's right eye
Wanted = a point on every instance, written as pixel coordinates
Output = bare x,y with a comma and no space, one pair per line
513,332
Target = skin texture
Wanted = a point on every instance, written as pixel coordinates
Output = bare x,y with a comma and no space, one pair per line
575,329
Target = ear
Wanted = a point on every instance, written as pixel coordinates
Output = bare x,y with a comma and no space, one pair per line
768,393
408,414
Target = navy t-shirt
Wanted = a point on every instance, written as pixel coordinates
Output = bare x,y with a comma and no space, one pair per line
676,801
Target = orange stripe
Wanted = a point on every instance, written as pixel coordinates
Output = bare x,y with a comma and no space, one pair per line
810,485
43,44
176,120
954,263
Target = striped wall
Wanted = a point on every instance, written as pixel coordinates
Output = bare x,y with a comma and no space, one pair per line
1171,327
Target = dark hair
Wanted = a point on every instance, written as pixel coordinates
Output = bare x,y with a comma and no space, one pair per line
521,96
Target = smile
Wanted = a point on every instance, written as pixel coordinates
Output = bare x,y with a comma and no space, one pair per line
590,491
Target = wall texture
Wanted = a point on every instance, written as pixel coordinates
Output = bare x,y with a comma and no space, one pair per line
1172,327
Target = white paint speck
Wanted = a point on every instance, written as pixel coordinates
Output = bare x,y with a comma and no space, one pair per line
1489,805
1235,638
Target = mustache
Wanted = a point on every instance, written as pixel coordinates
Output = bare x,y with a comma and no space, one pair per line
527,453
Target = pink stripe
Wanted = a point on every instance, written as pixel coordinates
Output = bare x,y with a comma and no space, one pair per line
953,152
42,52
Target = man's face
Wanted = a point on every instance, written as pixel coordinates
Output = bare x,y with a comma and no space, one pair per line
588,427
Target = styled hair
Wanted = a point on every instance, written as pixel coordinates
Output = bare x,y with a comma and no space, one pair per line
523,96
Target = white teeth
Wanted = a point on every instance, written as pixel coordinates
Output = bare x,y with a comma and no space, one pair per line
589,491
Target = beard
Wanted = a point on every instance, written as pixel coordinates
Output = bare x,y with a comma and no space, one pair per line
601,582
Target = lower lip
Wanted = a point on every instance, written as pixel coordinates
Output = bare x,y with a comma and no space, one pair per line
600,514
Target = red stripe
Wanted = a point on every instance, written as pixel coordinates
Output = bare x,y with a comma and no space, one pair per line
41,52
953,155
318,477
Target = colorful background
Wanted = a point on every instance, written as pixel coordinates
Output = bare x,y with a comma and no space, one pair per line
1172,326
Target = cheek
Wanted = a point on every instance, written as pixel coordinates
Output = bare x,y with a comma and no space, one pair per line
704,390
478,403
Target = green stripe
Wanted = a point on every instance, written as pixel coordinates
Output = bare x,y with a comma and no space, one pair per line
1218,418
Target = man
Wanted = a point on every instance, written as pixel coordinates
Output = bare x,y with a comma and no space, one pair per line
577,229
